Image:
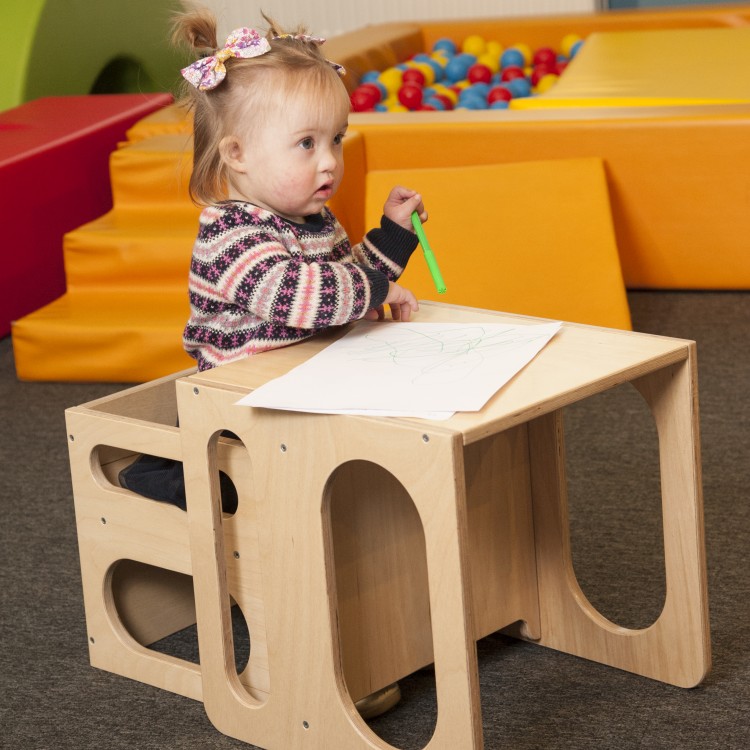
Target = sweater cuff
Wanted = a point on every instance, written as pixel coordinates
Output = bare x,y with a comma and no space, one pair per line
379,286
395,242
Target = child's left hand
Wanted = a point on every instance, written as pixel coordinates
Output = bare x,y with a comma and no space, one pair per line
401,204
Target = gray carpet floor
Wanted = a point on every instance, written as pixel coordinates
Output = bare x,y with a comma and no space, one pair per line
532,697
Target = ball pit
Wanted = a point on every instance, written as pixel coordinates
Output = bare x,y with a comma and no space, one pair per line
475,74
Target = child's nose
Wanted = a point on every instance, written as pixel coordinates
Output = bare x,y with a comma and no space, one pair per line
327,161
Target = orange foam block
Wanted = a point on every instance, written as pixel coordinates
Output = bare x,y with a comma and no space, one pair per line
534,238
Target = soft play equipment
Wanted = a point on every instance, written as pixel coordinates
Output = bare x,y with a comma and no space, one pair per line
62,47
674,176
126,305
652,68
54,176
493,250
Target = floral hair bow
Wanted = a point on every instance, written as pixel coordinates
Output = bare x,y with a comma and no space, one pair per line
340,69
208,72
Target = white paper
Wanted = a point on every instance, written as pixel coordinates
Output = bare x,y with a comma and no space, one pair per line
426,370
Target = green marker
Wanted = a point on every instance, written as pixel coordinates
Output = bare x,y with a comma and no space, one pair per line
429,256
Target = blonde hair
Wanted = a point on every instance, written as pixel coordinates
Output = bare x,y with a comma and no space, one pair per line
293,67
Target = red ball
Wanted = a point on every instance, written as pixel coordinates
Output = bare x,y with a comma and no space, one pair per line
427,108
497,93
413,75
410,95
511,72
544,56
479,73
365,97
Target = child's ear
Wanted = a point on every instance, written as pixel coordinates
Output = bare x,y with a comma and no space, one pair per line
230,149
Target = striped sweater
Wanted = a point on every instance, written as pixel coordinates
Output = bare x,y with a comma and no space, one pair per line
259,282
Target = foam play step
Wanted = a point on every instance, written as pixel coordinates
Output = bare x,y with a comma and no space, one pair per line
132,248
105,335
152,172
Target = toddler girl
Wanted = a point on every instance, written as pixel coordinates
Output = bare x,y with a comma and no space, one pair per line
272,265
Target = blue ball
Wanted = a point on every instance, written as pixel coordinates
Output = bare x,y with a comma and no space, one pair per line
370,76
447,45
512,56
432,101
456,69
472,101
499,104
519,86
575,48
479,88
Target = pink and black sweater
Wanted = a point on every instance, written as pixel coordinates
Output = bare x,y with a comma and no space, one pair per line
259,282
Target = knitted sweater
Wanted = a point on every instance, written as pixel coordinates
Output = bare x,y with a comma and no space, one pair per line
259,282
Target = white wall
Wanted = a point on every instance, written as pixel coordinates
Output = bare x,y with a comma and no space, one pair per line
331,17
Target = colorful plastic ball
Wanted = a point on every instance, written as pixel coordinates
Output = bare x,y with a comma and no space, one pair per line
499,93
474,45
435,102
458,67
561,65
414,75
511,72
446,45
391,79
499,104
431,72
365,97
446,91
566,45
512,58
370,76
490,60
544,56
445,100
546,83
479,73
494,48
410,95
519,87
525,50
542,70
575,49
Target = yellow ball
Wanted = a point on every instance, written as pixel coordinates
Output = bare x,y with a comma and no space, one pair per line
567,43
494,48
545,83
427,71
474,45
491,61
445,91
391,79
525,50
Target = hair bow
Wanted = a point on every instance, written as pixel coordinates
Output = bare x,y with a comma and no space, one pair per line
208,72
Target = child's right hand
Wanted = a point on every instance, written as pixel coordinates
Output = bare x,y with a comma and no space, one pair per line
403,303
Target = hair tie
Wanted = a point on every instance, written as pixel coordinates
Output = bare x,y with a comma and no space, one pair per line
340,69
208,72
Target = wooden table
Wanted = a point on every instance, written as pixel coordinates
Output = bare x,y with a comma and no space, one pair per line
367,548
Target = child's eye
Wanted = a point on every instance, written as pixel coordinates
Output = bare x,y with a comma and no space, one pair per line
337,140
307,143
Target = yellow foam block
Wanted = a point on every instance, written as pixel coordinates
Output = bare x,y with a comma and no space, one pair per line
533,238
106,335
655,67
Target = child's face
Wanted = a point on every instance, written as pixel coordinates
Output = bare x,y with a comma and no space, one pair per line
291,162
